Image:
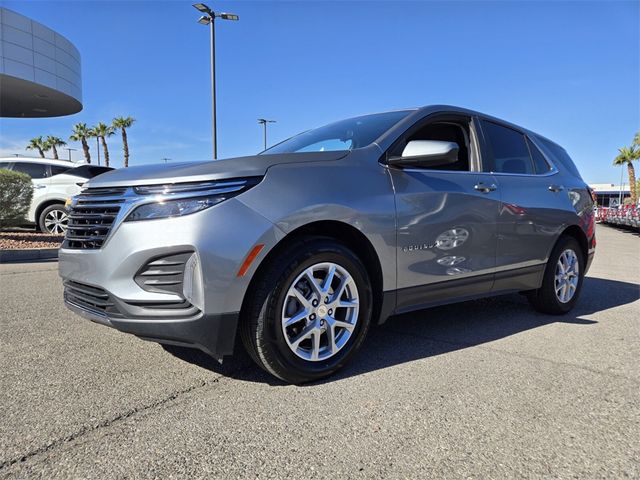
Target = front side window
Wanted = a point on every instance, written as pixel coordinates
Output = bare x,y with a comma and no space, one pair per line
457,133
507,149
6,165
34,170
347,134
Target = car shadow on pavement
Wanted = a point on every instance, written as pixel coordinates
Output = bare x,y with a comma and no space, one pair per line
624,229
439,330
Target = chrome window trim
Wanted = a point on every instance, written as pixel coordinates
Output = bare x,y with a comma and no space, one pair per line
529,175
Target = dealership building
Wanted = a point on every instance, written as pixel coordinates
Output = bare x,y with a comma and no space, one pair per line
39,70
609,194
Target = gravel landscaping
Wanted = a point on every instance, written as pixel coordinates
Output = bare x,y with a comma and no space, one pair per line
28,240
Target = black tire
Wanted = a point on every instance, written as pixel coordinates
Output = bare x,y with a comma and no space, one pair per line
545,299
260,327
43,215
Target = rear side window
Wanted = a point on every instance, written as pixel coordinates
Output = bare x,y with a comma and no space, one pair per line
57,170
34,170
6,165
508,151
539,162
558,155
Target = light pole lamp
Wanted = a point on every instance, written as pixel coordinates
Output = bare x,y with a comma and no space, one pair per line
209,19
263,122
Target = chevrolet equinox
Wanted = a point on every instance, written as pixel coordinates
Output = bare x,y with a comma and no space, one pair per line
299,249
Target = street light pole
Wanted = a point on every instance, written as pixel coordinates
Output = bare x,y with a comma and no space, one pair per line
98,149
263,122
214,133
69,150
209,19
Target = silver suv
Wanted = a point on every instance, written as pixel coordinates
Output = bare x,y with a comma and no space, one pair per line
302,247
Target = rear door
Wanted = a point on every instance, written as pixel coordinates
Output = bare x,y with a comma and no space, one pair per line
63,183
446,220
40,177
533,204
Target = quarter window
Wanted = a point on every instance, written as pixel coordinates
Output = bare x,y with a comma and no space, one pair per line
508,151
57,170
539,162
34,170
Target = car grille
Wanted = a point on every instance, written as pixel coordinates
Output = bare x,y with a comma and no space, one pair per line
93,299
91,217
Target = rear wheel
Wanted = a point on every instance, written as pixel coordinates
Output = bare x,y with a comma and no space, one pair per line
309,312
562,280
54,219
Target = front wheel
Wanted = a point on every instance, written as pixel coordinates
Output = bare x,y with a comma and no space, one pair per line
562,280
309,311
54,219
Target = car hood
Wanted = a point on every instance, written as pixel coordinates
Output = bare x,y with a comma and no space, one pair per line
252,166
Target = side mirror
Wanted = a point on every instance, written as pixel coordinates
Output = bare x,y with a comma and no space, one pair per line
426,153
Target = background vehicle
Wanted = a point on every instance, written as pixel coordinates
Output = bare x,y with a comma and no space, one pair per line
54,181
623,216
302,247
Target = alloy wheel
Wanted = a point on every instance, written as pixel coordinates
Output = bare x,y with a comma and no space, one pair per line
567,276
56,221
320,311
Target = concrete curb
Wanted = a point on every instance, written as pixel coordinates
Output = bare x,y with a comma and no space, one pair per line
28,255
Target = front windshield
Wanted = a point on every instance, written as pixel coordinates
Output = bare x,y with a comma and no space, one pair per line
343,135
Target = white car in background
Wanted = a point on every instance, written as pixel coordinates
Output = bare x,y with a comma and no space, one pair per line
54,181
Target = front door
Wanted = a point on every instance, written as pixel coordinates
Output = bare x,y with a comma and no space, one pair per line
446,223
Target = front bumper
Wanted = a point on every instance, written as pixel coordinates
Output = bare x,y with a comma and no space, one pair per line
214,334
220,237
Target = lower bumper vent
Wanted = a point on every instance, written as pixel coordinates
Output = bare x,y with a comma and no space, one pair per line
163,274
94,299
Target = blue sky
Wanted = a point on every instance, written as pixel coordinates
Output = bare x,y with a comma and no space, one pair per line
568,70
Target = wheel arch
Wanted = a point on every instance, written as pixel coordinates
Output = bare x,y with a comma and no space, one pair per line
580,236
341,232
47,203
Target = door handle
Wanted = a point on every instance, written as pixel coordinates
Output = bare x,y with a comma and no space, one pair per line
481,187
40,186
556,188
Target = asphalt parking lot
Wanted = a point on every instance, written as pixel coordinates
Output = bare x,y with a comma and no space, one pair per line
484,389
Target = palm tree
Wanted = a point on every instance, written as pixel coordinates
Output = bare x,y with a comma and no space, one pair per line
626,156
123,123
53,142
101,131
37,143
636,139
80,134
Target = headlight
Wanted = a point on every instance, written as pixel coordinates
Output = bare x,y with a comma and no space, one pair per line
172,208
180,199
